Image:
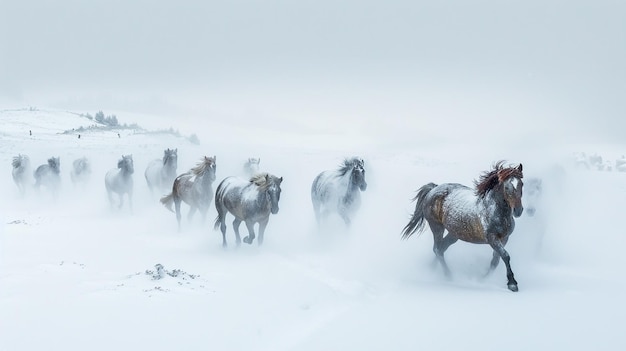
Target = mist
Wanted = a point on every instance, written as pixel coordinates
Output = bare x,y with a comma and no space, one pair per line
390,71
422,91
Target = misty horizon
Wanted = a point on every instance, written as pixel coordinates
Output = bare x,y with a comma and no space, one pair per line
551,69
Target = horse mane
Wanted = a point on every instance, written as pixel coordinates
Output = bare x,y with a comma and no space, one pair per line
18,160
263,180
53,162
488,180
347,165
202,166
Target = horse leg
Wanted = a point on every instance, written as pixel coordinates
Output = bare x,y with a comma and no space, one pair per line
441,244
192,211
110,199
121,200
130,201
203,211
345,217
262,225
250,238
498,248
236,224
316,209
177,208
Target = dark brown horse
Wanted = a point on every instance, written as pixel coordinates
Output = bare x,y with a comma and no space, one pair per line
483,215
195,188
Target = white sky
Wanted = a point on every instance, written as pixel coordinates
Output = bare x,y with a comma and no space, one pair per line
500,65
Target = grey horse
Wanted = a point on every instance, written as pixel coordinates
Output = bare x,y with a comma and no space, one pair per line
339,191
250,201
49,175
160,174
81,170
21,172
120,181
195,188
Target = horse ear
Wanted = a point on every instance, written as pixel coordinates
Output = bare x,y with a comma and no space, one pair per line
280,180
519,167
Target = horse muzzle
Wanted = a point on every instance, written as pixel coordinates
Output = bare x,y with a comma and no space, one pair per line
517,211
363,186
274,209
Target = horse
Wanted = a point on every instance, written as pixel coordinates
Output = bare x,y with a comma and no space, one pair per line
620,164
161,173
339,191
49,175
532,195
81,170
248,200
21,170
195,188
120,181
251,167
483,215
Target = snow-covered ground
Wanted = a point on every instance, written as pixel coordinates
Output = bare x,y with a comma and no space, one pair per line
77,275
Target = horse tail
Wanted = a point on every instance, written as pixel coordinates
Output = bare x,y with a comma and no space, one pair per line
416,224
168,200
220,192
218,222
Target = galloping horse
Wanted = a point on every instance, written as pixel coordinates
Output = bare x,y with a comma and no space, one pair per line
49,175
483,215
21,172
160,174
250,201
81,170
120,181
339,190
251,167
195,188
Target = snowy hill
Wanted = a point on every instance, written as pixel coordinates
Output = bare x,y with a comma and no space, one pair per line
78,275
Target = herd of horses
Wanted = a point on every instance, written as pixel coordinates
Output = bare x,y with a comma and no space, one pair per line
482,214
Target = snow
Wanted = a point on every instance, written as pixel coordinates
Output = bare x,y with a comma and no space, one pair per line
76,275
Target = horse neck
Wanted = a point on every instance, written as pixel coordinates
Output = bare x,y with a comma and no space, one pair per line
204,181
263,199
496,196
351,188
168,169
125,172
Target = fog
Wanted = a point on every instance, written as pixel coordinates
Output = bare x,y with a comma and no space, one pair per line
552,70
423,91
77,272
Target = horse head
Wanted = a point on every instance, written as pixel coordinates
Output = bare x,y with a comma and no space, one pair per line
170,158
126,164
511,179
358,174
273,190
252,165
55,164
211,166
533,195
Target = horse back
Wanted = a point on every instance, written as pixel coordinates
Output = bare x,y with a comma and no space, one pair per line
323,185
456,207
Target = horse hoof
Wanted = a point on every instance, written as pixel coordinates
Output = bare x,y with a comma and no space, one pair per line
246,240
513,287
